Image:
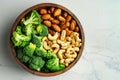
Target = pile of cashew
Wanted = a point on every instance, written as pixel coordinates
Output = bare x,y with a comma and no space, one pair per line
65,47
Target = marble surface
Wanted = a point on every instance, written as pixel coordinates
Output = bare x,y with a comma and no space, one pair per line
101,56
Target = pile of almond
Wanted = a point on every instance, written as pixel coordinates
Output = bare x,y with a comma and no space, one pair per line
57,20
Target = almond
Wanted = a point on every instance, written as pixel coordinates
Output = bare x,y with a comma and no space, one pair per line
57,12
68,32
68,18
61,18
68,24
52,32
56,27
51,18
73,22
77,29
72,26
46,16
55,21
52,9
43,11
65,14
47,23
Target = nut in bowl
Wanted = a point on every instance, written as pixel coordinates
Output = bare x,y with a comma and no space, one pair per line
47,39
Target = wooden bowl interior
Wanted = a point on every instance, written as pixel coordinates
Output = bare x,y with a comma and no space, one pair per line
37,7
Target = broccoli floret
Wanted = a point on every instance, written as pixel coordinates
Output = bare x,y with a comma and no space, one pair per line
22,56
42,30
44,54
29,49
36,40
19,40
18,29
54,65
50,55
33,18
36,63
40,52
28,29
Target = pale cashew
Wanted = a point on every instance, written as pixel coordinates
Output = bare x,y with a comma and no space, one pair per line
50,37
65,45
60,42
54,41
76,49
44,39
78,44
72,55
63,35
68,39
45,45
73,41
62,61
56,48
60,53
68,60
70,50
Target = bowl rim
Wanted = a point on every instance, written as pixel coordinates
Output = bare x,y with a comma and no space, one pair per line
36,7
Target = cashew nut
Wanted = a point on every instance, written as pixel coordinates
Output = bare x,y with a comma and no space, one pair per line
60,53
50,37
56,48
70,50
45,45
44,39
65,45
63,35
68,60
78,44
76,49
62,61
68,39
71,55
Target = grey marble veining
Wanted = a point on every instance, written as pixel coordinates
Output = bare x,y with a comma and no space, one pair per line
101,56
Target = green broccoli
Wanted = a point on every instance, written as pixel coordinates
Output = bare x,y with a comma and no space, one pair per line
36,40
42,30
44,54
28,29
19,40
22,56
54,65
18,29
36,63
29,49
33,18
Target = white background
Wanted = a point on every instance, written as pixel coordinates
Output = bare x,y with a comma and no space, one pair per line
101,57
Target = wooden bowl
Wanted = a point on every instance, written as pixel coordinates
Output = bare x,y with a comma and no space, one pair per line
37,7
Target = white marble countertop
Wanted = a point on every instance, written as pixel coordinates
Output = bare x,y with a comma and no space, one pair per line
101,56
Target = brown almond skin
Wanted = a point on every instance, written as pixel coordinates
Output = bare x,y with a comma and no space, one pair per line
56,27
51,19
76,29
57,12
47,23
65,14
72,26
55,21
43,11
68,24
46,16
63,26
73,22
68,18
52,9
52,32
68,32
61,18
